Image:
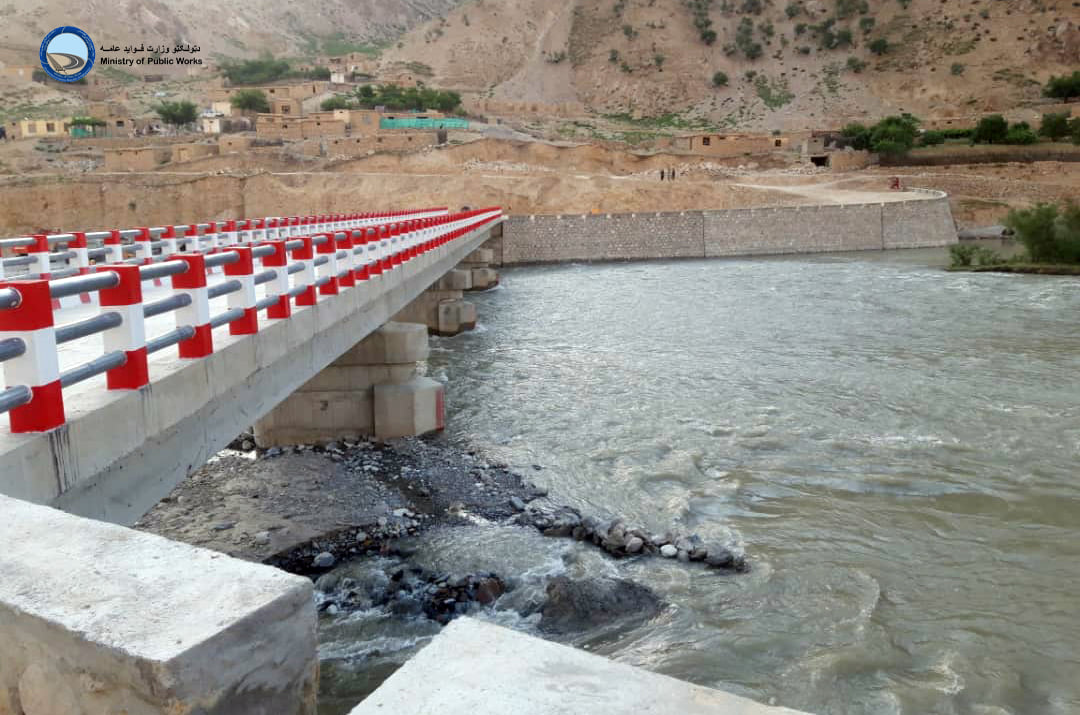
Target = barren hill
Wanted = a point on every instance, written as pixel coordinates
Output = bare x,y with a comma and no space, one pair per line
282,27
787,64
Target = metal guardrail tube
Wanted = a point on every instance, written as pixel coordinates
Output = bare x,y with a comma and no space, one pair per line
297,291
220,259
97,235
64,273
97,252
319,240
293,244
170,338
161,270
294,268
15,242
11,348
322,281
322,259
9,298
216,291
227,317
266,302
181,300
14,397
96,324
260,251
109,361
83,284
61,255
17,261
265,276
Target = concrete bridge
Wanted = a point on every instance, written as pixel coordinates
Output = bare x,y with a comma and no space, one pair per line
205,329
202,332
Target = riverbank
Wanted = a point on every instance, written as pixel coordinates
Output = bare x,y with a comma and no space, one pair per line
1045,269
356,517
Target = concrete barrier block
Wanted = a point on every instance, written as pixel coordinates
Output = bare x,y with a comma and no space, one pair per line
408,409
484,278
392,343
456,279
481,257
454,317
98,619
358,377
483,668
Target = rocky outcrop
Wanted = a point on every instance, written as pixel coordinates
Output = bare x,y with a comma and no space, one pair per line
576,606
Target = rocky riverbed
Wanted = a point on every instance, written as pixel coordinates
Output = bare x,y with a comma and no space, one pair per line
357,517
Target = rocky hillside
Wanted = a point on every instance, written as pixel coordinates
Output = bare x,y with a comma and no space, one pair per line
751,64
234,29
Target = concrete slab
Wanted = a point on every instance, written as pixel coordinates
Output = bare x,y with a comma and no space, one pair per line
97,618
474,668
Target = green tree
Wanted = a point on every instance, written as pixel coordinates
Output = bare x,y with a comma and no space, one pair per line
1063,87
319,72
857,134
1055,126
366,92
178,113
879,46
1074,130
1020,133
894,135
335,102
260,71
250,100
990,130
793,10
932,138
719,79
1049,233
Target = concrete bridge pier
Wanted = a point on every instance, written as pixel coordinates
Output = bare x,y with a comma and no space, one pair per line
441,308
373,389
478,263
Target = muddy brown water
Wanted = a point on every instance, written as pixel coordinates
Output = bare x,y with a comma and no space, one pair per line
896,448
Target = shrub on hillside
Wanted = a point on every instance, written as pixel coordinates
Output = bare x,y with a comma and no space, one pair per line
961,254
260,71
957,68
932,138
1055,126
1063,87
1051,234
879,46
855,64
1020,133
990,130
719,79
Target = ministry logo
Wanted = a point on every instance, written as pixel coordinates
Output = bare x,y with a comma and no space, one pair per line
67,54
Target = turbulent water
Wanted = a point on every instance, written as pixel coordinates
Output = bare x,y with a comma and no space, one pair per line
896,448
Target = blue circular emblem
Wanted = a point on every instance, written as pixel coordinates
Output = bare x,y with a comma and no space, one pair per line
67,54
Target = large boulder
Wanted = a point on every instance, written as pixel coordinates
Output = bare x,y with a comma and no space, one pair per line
574,606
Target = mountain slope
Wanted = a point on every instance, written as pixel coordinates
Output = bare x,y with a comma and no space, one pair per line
817,63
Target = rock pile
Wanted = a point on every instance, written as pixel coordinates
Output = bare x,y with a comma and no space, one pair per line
620,540
409,591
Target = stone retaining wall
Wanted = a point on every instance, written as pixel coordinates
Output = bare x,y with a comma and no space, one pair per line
737,232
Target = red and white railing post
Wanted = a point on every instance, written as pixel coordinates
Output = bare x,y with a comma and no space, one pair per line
38,368
328,270
130,336
279,286
197,315
344,242
39,252
306,276
114,248
243,270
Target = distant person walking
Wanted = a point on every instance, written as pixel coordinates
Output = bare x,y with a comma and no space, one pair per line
3,133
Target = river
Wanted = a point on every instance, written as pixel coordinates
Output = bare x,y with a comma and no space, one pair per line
895,447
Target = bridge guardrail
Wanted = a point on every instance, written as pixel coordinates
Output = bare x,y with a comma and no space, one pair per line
299,265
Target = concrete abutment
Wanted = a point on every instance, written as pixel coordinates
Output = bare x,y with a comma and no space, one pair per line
373,389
